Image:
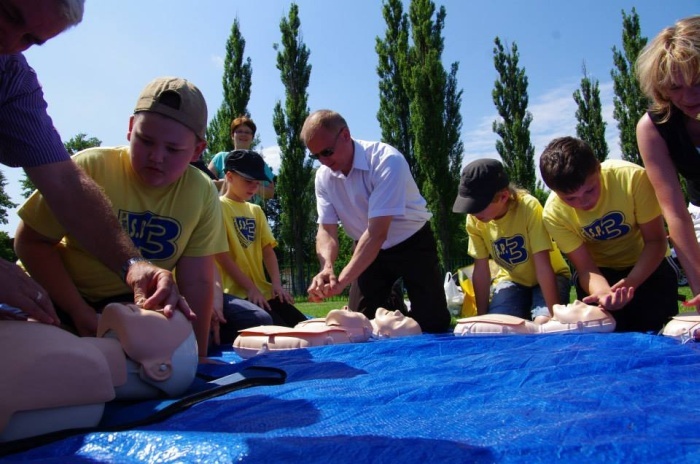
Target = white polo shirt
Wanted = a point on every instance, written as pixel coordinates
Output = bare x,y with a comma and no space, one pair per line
379,184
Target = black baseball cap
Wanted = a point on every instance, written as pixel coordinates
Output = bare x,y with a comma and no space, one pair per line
247,163
481,180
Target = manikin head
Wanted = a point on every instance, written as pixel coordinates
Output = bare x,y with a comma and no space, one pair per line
393,324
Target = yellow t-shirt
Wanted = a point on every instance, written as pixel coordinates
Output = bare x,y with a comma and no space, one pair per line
181,219
611,229
248,232
513,240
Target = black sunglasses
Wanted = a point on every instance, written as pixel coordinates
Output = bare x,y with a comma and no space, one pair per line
328,151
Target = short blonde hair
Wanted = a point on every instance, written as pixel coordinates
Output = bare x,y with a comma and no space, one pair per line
73,10
672,55
327,119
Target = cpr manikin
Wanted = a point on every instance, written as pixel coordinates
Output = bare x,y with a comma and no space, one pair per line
54,380
576,317
684,328
338,327
393,324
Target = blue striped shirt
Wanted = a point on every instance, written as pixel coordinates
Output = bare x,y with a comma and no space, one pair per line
27,135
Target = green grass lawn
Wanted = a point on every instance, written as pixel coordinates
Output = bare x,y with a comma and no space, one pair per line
321,309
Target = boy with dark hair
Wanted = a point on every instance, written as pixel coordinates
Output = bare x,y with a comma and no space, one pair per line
606,219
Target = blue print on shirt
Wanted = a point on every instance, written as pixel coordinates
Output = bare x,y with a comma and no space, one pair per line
245,229
510,251
609,227
155,236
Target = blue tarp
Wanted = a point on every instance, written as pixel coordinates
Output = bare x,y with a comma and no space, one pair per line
434,398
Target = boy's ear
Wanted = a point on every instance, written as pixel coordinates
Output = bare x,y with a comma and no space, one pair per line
198,149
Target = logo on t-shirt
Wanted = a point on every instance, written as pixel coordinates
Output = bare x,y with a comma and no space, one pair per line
155,236
245,229
608,227
510,251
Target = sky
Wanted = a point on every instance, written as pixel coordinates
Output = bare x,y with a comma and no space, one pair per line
93,73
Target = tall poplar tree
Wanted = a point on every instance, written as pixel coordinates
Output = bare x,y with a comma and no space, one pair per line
236,83
590,126
630,103
420,112
394,113
295,182
6,251
511,100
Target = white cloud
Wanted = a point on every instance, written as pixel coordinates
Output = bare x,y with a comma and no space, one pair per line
217,61
272,157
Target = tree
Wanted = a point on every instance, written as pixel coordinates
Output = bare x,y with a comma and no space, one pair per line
420,112
511,100
295,182
78,143
630,103
394,113
590,126
5,201
236,83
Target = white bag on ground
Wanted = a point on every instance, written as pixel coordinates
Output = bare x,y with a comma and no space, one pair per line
454,295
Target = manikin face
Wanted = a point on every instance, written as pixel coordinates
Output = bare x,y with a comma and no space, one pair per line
578,311
161,148
24,23
585,197
392,324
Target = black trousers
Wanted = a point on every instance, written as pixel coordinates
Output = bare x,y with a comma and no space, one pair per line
654,303
415,261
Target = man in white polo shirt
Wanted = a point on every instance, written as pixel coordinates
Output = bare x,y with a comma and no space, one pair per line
368,187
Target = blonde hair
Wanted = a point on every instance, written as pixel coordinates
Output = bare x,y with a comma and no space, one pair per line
73,11
673,55
327,119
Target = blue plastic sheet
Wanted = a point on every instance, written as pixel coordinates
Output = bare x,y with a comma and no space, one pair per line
434,398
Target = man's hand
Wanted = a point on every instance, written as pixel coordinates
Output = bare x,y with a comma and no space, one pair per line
616,299
155,288
321,285
20,291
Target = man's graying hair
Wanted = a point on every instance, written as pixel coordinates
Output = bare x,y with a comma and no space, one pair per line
73,10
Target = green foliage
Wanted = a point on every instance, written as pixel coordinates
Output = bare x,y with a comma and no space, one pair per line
394,113
236,83
7,251
590,126
295,182
420,111
5,201
630,103
511,100
77,143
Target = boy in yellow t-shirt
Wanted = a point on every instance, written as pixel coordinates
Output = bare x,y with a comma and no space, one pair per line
167,207
605,217
505,223
251,245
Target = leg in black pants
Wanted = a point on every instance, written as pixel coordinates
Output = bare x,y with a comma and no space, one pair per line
655,302
415,260
285,314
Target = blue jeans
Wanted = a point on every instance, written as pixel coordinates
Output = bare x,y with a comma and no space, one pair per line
513,299
241,314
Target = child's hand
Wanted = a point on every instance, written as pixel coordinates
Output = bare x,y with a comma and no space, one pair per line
613,300
257,298
281,294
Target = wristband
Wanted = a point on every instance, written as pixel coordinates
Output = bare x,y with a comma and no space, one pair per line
129,263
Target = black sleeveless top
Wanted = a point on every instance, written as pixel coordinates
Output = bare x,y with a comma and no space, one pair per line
683,153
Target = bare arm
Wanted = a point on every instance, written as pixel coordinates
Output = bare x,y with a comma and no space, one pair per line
266,190
327,252
546,279
481,278
79,204
655,246
595,284
365,252
212,168
195,276
42,260
273,270
663,177
254,294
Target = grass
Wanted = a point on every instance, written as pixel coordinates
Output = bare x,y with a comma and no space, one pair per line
321,309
